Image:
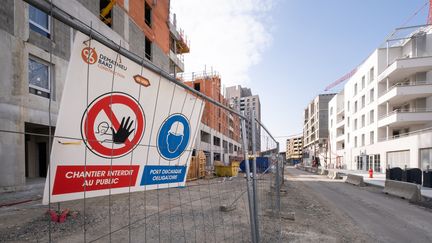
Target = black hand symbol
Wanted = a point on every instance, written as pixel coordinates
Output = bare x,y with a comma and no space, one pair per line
123,131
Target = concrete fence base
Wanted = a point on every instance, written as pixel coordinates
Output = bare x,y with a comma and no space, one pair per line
323,172
355,180
334,175
402,189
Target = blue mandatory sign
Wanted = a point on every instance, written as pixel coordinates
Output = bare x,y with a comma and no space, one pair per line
173,136
163,174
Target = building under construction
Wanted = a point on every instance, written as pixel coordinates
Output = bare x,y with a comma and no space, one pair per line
219,137
35,55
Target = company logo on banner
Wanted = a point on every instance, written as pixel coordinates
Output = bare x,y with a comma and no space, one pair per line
133,139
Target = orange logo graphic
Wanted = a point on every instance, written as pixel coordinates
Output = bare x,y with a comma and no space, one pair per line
89,55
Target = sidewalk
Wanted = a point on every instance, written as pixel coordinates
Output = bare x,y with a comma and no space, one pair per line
379,179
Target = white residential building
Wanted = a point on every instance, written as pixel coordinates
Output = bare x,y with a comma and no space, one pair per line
315,130
385,118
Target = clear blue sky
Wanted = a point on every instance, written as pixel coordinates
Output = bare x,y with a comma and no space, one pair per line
315,43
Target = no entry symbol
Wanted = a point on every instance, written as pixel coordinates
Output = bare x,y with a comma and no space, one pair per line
113,125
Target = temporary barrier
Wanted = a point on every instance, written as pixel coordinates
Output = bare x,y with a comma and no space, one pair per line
402,189
122,148
355,180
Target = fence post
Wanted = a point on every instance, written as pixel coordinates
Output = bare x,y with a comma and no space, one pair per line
248,182
254,169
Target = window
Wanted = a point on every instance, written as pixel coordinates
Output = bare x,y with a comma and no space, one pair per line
39,77
331,111
363,101
371,137
371,95
363,120
148,49
197,87
398,159
377,163
348,121
355,142
363,140
363,82
425,158
371,74
148,14
355,124
39,21
331,122
348,137
355,89
105,10
371,116
348,106
355,106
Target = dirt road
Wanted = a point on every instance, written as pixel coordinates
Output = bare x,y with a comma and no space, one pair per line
343,212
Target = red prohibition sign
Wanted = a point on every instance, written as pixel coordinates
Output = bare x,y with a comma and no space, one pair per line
103,104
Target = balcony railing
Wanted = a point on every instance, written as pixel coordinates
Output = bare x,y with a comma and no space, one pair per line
402,135
409,110
406,84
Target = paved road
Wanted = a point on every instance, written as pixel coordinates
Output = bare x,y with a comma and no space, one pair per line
383,218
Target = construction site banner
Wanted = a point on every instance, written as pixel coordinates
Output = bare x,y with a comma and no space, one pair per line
121,128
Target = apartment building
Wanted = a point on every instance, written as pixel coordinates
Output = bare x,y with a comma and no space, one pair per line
336,127
385,118
242,99
30,76
315,130
294,149
219,137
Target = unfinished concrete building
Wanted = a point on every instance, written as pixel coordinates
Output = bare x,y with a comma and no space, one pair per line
35,53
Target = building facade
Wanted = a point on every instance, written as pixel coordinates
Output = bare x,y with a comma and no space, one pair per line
336,126
387,106
35,53
241,99
315,130
219,136
294,149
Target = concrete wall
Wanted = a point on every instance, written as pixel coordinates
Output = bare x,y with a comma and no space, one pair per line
18,42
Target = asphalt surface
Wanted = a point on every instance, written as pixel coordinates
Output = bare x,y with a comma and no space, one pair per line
380,217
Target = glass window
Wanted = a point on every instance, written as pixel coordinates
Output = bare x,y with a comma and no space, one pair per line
355,106
371,137
398,159
355,142
371,95
377,163
371,116
355,89
39,21
363,101
363,82
363,140
363,120
426,158
355,124
371,74
38,72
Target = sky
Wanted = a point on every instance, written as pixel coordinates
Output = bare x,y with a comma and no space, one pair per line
288,51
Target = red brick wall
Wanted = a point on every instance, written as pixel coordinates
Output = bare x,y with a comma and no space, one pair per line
159,32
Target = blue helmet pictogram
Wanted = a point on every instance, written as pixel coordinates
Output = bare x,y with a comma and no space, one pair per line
173,136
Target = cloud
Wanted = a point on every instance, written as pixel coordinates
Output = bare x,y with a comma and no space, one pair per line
226,35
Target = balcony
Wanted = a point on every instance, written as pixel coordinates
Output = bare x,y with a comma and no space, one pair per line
182,43
404,67
403,92
400,117
178,60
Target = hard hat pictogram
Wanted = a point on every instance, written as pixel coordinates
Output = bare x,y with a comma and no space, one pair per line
173,136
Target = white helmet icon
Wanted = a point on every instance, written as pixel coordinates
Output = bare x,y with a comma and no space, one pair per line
177,128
